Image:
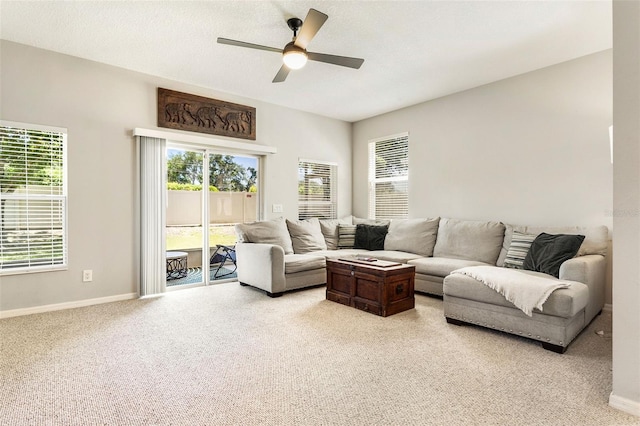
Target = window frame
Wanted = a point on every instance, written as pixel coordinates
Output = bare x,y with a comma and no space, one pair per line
331,202
372,209
62,198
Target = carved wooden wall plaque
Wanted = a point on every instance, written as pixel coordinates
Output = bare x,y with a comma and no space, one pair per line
198,114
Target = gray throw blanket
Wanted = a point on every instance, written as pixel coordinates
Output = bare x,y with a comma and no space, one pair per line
526,292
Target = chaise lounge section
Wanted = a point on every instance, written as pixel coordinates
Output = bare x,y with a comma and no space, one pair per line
566,311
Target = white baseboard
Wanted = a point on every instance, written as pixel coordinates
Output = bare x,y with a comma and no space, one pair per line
66,305
608,307
624,404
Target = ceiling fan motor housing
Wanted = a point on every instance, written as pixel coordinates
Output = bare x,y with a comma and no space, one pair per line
294,24
291,48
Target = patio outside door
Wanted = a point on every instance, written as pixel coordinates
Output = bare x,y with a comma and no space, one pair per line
230,197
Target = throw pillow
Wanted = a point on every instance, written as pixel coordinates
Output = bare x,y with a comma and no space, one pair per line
549,251
596,238
370,237
329,229
266,232
520,245
306,235
412,235
346,236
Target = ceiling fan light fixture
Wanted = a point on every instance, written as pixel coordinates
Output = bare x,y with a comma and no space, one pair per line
294,57
294,54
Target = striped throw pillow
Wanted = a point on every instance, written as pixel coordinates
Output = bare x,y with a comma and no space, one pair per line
346,236
520,245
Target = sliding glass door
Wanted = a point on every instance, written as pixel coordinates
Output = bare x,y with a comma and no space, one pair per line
208,193
233,198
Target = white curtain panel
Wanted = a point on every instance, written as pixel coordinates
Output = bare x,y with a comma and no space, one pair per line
153,200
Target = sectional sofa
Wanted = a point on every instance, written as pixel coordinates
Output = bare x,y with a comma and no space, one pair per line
476,266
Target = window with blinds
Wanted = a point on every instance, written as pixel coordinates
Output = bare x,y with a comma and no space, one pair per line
389,177
33,198
317,190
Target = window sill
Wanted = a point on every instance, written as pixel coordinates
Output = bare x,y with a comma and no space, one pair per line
33,270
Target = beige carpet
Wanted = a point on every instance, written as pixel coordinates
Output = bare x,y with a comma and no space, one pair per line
231,355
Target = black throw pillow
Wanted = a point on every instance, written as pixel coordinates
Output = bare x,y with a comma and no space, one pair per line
370,237
549,251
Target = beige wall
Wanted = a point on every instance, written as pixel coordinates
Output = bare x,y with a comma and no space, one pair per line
625,394
185,207
532,149
100,105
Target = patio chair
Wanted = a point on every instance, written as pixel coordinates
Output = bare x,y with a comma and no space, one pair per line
223,255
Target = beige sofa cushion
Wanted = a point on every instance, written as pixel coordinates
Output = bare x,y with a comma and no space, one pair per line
564,302
266,232
341,254
302,262
595,242
329,228
412,235
306,235
441,266
468,239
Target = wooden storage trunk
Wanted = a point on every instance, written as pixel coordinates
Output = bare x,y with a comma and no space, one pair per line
382,288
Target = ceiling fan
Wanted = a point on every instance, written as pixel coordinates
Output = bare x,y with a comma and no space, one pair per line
294,54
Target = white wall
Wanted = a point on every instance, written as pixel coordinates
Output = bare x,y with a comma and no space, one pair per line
100,105
626,204
532,149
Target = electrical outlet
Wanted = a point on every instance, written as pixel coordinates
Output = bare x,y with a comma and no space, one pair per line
87,275
277,208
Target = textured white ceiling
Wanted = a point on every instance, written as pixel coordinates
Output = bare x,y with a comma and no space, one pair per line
413,50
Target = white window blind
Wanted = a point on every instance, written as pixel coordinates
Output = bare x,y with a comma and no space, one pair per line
317,190
389,177
33,198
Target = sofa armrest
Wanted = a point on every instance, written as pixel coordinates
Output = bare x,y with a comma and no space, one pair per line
589,270
261,266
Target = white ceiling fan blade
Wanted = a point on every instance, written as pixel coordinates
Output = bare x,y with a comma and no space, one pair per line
310,27
249,45
343,61
282,74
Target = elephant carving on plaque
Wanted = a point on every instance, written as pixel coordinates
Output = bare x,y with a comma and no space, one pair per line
195,113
